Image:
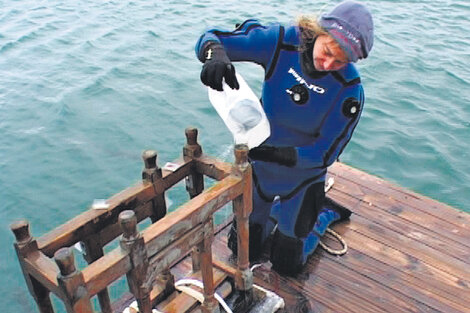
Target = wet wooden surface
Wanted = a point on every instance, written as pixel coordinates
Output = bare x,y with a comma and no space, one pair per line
407,253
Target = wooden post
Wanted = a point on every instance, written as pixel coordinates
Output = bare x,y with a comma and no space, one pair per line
195,181
242,207
210,304
192,150
24,245
71,282
153,174
94,251
133,243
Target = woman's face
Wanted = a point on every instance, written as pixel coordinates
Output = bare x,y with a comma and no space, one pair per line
327,54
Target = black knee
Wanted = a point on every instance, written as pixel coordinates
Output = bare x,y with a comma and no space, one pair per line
311,204
286,254
256,240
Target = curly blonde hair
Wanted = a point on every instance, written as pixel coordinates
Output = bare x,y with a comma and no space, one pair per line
310,29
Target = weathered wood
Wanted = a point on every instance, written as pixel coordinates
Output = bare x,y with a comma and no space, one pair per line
191,213
404,227
195,181
397,280
388,227
105,270
430,224
417,250
153,174
407,253
368,290
183,302
212,167
43,270
94,251
41,296
294,300
242,207
300,294
145,258
375,186
448,285
133,243
192,150
394,263
93,221
110,232
76,298
179,247
24,245
210,304
115,264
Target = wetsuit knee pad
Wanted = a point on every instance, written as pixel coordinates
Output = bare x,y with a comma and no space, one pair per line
311,204
256,240
330,213
286,254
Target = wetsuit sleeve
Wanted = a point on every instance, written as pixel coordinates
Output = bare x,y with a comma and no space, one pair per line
250,41
336,131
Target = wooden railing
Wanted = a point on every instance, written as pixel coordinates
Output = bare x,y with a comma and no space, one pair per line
144,257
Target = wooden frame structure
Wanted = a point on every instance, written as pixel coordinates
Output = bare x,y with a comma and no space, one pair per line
145,258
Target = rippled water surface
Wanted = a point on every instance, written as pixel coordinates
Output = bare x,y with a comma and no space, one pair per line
86,86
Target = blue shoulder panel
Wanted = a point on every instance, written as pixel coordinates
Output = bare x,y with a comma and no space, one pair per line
292,36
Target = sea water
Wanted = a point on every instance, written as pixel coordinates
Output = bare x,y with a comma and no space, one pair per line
86,86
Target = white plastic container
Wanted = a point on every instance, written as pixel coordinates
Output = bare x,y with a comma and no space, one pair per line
242,113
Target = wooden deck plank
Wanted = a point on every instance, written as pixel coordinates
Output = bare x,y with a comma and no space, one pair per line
448,285
411,230
436,226
412,248
374,184
387,299
395,279
419,241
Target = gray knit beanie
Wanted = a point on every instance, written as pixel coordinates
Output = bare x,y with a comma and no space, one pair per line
350,24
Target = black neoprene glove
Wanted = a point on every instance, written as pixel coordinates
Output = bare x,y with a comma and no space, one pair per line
217,66
282,155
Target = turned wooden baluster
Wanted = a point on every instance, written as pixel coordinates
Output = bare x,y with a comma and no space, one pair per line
153,174
94,251
75,294
195,181
133,243
242,207
192,150
24,245
210,304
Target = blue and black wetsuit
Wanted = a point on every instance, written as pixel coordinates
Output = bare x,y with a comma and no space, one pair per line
315,112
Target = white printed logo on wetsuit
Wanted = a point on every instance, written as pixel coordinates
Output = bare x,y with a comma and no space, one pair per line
302,81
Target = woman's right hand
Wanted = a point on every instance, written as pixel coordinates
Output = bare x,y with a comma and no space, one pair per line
217,66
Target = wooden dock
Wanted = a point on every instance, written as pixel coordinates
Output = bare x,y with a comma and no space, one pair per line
407,253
